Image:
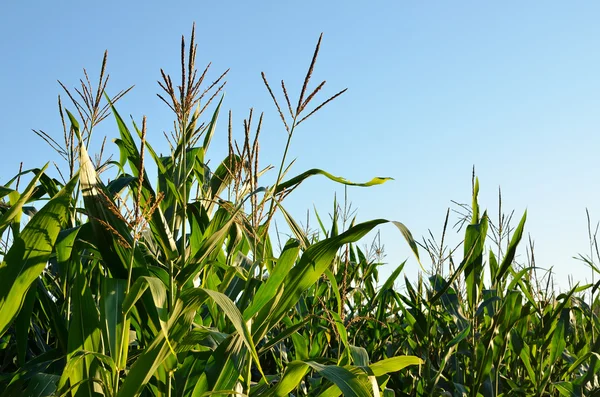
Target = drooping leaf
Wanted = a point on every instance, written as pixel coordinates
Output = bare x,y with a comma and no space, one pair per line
315,171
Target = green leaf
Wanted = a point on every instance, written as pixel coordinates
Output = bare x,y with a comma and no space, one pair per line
268,290
360,357
158,224
348,383
458,338
112,235
16,208
394,364
336,290
148,362
292,183
566,389
194,297
42,385
290,331
512,249
311,266
159,296
84,334
388,285
475,205
410,240
211,127
75,125
22,324
29,253
115,324
475,236
294,372
468,257
559,343
221,178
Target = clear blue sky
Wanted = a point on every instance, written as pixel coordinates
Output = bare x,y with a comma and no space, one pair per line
434,88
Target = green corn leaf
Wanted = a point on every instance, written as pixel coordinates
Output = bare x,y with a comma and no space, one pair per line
188,375
311,266
84,335
525,355
157,222
342,333
114,323
300,346
558,344
56,324
294,227
567,389
292,183
203,251
512,249
475,235
360,357
388,285
221,178
321,225
580,360
348,383
410,240
147,364
64,249
158,291
456,273
22,324
75,125
345,380
394,364
294,372
29,254
16,208
475,205
460,337
42,385
493,262
268,290
336,290
290,331
197,296
112,234
5,191
212,125
224,371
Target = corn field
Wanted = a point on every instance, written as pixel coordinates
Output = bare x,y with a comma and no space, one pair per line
175,286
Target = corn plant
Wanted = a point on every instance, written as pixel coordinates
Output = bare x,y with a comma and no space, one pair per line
489,328
116,285
123,287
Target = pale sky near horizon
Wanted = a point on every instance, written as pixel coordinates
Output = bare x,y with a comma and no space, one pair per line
511,88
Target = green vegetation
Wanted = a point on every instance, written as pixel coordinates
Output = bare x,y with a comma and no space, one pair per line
123,287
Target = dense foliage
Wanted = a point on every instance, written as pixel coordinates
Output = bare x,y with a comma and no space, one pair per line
124,287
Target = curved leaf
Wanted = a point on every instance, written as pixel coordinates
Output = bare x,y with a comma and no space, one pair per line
315,171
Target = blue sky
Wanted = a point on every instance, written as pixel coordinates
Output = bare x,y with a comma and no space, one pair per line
434,88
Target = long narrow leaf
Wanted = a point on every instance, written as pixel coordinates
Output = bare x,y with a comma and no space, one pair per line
29,254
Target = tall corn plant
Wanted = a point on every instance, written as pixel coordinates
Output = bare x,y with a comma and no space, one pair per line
488,328
126,288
